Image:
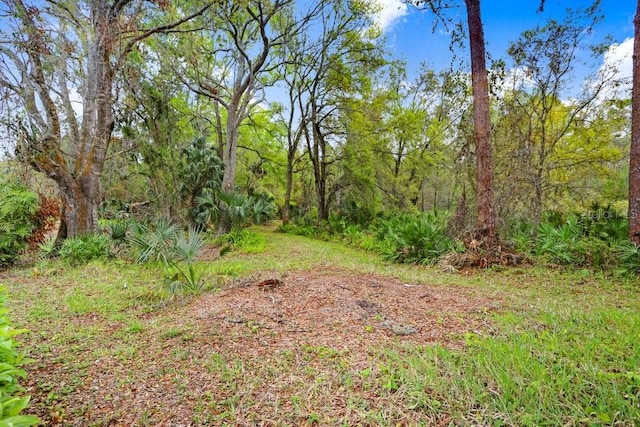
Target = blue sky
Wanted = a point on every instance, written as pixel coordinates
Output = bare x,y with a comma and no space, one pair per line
410,35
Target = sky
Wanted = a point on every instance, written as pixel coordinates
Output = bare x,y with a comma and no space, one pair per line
410,34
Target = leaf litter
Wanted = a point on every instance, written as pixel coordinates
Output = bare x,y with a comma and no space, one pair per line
269,349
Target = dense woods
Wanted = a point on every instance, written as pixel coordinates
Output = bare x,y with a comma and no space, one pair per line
204,113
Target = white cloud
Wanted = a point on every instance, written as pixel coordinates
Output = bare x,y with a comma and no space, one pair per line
617,63
389,11
620,55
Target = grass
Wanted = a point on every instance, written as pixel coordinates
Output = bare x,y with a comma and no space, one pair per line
564,351
576,369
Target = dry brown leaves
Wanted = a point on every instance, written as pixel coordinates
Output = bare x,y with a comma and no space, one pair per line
342,310
244,355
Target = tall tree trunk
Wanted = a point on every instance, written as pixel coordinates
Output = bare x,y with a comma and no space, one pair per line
230,156
323,211
317,147
288,189
634,156
486,226
229,161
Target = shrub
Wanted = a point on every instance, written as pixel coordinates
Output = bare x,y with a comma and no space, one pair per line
18,205
593,252
417,238
118,232
235,209
182,273
354,213
84,248
11,405
200,175
572,243
177,253
243,239
628,256
557,242
605,223
154,244
300,230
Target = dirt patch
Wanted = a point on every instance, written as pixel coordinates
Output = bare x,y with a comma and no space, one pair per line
342,310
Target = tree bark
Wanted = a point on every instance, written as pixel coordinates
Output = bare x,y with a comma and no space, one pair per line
291,158
78,171
229,160
486,223
317,147
634,155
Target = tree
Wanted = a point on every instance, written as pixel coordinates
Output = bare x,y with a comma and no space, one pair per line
237,63
486,227
56,57
333,66
294,76
546,58
487,220
634,156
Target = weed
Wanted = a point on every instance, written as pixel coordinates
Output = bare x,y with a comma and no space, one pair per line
84,248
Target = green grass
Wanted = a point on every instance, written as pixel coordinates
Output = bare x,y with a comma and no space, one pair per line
564,348
560,369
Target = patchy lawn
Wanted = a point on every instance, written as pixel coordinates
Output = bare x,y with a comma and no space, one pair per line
313,333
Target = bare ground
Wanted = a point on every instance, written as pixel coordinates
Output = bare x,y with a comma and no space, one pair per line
264,350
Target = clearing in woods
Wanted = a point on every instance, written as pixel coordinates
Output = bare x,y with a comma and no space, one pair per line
304,333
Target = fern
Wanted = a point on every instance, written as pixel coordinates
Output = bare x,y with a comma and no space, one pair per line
18,206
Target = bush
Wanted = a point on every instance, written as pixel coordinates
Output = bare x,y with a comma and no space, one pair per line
303,226
243,239
571,243
557,242
605,223
176,251
594,252
84,248
236,209
11,405
18,205
417,238
628,256
154,244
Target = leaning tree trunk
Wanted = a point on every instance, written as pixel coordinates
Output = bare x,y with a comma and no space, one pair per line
42,83
486,226
634,156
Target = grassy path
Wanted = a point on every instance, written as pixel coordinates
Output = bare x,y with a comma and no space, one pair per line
563,349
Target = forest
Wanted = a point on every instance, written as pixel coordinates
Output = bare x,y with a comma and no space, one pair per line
249,212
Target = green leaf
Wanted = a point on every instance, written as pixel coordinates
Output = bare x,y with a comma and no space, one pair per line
14,406
20,421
